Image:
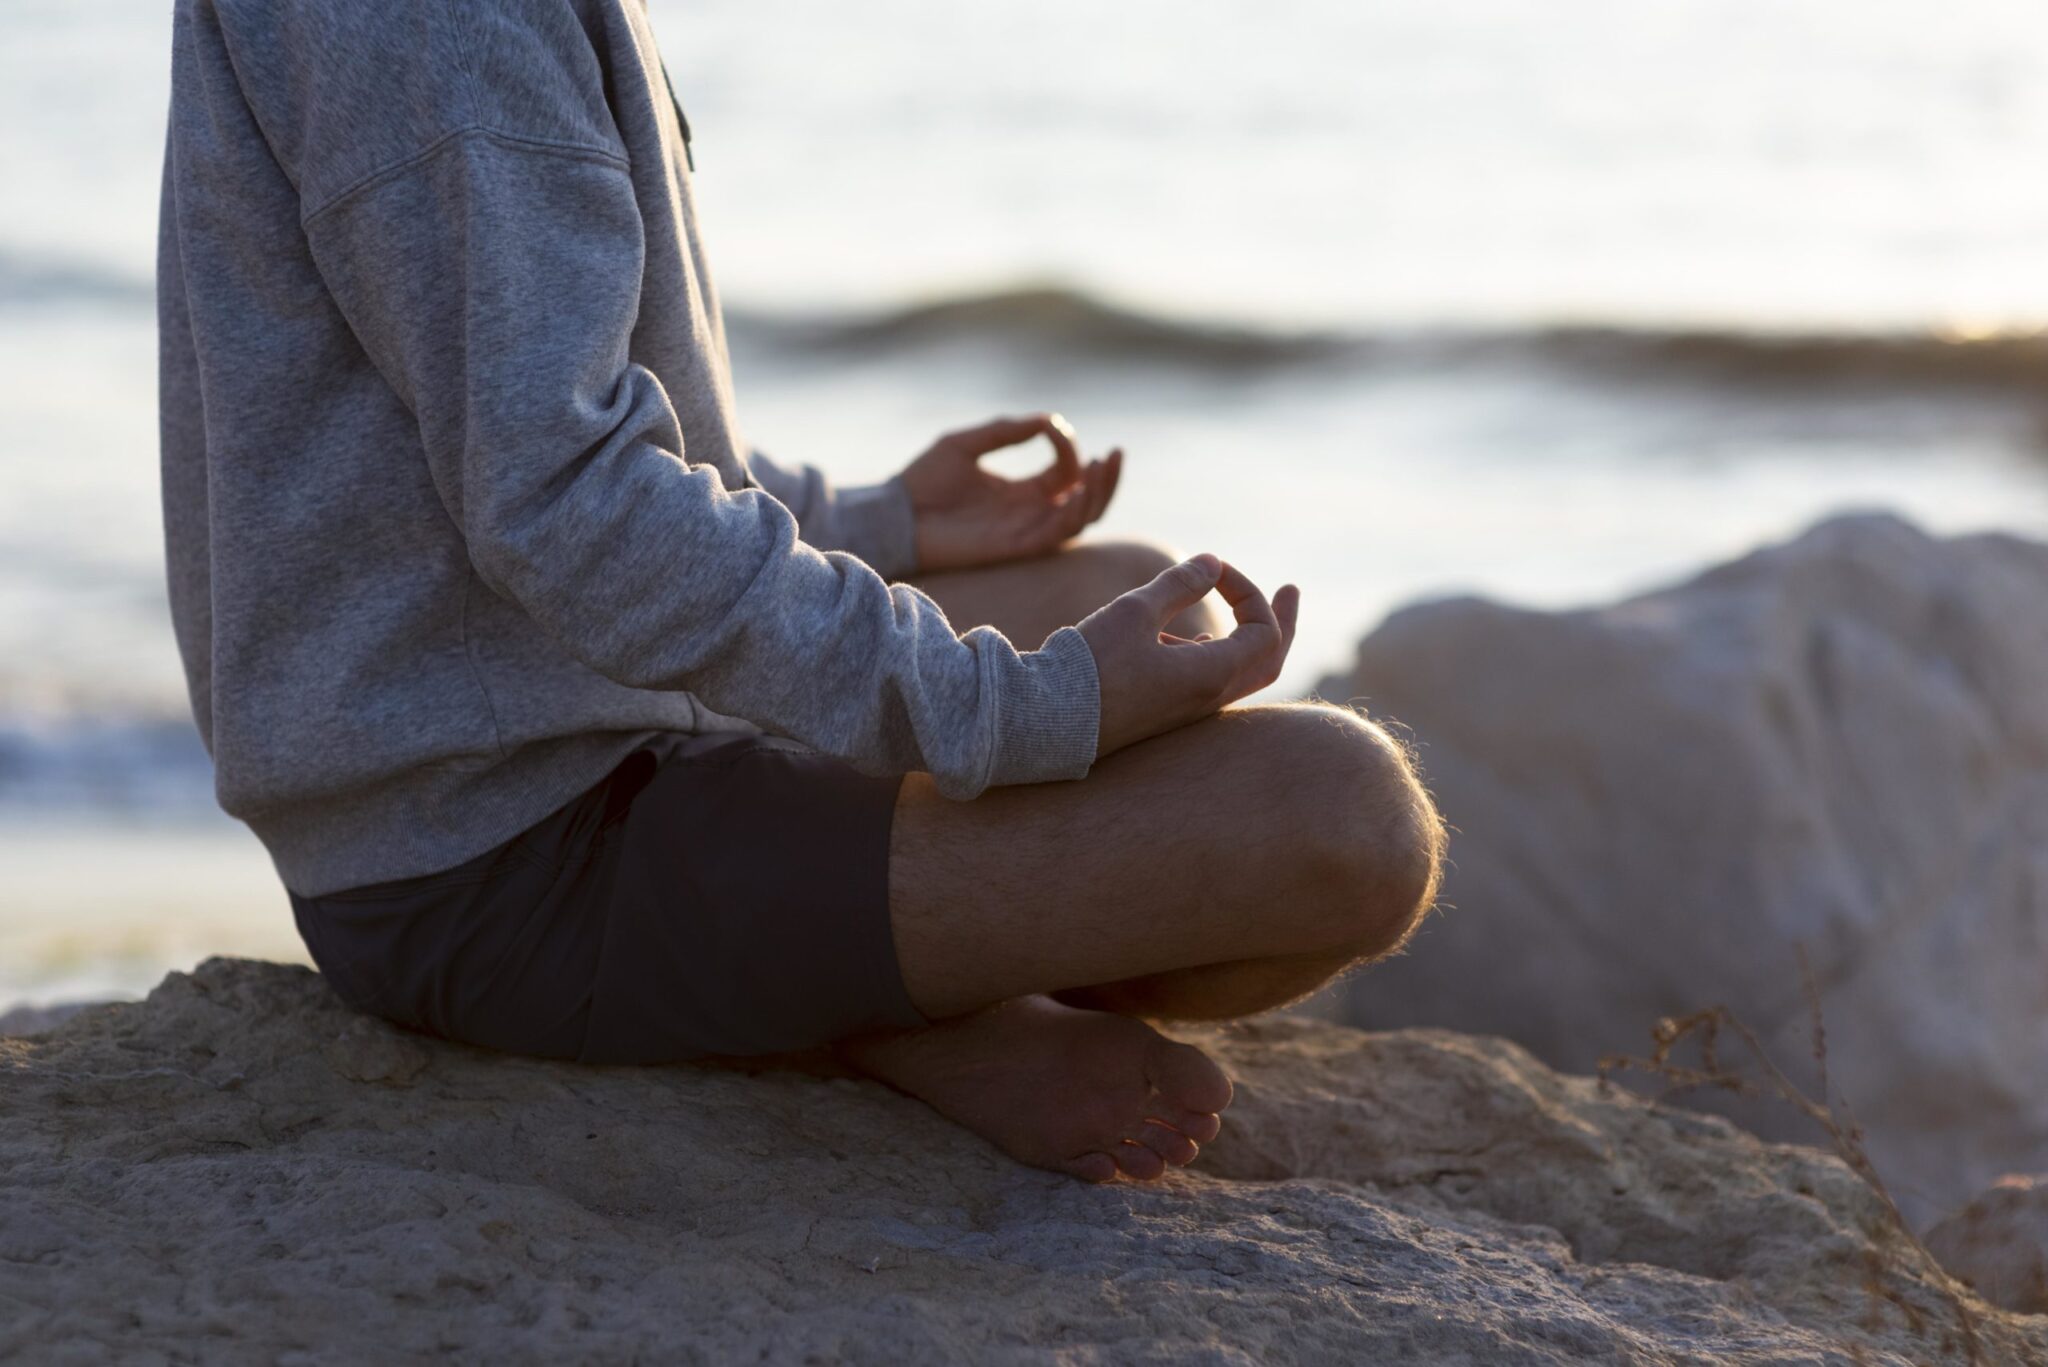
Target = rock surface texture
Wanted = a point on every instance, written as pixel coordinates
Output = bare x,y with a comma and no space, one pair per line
1999,1244
240,1170
1840,743
29,1020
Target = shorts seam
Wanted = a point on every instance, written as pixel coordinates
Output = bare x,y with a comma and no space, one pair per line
725,757
409,889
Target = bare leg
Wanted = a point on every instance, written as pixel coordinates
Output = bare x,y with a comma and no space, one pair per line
1227,867
1281,842
1028,600
1223,869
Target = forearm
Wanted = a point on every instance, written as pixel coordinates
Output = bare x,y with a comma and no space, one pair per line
655,576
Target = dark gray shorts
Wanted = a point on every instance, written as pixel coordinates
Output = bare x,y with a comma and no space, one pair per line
713,895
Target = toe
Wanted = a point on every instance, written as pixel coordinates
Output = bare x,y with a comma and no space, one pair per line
1138,1162
1092,1167
1188,1078
1198,1126
1170,1144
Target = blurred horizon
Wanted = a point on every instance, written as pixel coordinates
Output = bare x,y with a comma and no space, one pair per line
1394,299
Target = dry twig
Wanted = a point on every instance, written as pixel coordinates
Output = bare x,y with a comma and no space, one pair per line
1704,1030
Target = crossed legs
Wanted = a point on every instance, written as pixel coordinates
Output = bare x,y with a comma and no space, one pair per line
1226,868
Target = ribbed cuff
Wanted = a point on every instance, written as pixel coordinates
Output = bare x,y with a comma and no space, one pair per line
876,523
1048,708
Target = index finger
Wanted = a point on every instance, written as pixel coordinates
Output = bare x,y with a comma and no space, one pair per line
1263,633
997,433
1247,602
1066,454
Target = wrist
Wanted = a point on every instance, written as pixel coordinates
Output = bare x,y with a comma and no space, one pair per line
878,522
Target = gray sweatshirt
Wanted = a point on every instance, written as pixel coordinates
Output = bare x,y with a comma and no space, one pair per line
456,504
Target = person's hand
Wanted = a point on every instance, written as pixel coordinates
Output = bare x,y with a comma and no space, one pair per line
1153,681
967,516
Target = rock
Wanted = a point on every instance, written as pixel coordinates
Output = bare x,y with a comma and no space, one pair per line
204,1175
34,1020
1840,743
368,1051
1999,1244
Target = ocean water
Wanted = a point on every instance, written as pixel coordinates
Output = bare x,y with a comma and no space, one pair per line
1391,298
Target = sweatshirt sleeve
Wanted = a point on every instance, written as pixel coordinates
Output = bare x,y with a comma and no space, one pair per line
495,282
872,521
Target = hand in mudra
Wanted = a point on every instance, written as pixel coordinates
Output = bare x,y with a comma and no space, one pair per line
969,516
1152,681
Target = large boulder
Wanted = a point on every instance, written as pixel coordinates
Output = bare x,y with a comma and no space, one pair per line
34,1020
238,1169
1840,743
1999,1243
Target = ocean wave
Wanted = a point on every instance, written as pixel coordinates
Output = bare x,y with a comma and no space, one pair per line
2014,363
1046,319
1057,323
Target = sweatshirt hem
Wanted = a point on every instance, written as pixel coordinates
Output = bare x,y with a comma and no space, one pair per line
333,852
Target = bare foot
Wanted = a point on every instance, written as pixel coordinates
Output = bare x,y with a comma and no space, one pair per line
1080,1092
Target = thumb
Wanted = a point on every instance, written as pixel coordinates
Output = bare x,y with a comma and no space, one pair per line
1179,586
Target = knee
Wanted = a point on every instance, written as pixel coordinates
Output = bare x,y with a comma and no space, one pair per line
1117,567
1374,842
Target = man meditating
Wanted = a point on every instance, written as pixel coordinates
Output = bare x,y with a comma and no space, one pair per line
578,729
